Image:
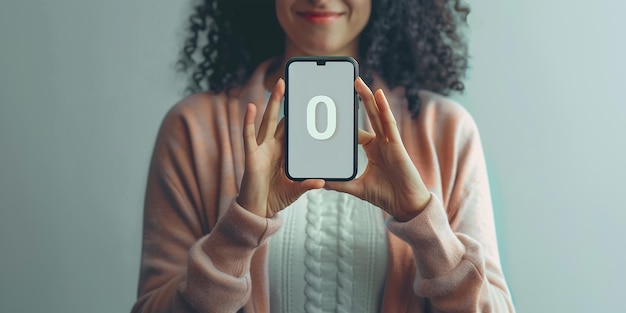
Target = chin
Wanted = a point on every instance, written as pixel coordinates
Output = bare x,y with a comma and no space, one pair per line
322,47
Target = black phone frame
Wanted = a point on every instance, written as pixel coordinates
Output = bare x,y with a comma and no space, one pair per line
323,59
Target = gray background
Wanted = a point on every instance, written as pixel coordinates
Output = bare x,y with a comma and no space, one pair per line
309,157
84,85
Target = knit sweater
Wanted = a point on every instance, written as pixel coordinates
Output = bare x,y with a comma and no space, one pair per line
203,252
322,259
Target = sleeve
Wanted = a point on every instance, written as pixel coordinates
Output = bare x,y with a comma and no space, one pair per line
184,269
455,250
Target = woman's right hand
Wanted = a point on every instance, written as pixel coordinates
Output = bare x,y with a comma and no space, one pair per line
265,189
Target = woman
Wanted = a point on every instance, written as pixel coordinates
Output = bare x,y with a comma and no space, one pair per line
225,230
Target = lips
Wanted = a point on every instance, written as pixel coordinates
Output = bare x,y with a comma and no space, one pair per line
320,17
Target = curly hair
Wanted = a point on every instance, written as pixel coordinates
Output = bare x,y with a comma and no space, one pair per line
415,44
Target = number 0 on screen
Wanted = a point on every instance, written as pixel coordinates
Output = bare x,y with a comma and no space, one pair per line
331,117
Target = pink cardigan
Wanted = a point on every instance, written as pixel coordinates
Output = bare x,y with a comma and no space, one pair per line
202,252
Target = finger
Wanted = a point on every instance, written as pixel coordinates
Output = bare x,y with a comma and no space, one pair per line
352,187
309,184
270,117
365,137
280,130
280,136
390,126
249,137
370,105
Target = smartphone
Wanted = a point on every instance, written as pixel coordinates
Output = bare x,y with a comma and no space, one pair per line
321,106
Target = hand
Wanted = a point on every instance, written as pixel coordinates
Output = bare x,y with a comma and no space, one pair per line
390,181
265,189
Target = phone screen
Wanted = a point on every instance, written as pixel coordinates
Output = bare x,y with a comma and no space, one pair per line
320,112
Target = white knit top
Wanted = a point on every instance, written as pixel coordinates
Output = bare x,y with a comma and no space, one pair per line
330,255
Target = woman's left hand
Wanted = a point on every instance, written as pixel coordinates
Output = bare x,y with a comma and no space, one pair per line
390,181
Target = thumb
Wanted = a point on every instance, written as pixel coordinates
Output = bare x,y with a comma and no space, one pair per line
365,137
352,187
309,184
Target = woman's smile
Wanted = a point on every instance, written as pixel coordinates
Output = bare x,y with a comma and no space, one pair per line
320,17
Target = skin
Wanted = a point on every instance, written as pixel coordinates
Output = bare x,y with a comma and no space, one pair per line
390,181
303,38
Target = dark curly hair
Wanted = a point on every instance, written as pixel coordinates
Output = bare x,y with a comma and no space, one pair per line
416,44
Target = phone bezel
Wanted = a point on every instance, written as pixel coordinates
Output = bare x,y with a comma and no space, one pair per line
324,59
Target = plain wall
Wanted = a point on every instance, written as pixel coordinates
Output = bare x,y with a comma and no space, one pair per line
83,88
85,84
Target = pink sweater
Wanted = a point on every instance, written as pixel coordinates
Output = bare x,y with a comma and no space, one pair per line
202,252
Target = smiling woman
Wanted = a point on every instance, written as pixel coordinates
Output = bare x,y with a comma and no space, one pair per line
413,44
226,230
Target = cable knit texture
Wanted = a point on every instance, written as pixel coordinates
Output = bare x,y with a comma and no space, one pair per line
345,260
313,257
201,252
329,257
322,257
